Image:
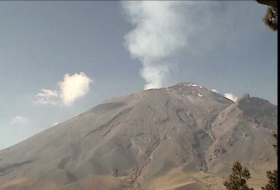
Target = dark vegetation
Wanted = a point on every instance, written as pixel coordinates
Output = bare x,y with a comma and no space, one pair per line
238,178
271,17
240,175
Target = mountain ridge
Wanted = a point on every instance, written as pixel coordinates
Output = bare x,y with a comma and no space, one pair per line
141,137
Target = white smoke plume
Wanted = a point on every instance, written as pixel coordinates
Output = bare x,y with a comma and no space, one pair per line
159,33
163,30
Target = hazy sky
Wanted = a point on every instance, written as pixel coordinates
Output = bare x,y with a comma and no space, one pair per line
59,59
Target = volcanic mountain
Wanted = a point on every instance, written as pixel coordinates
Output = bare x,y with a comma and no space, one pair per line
181,137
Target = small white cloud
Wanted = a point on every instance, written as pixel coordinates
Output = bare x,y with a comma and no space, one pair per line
231,96
214,90
47,97
71,87
55,123
19,120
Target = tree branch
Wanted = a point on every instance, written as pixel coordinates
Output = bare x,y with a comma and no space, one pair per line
268,3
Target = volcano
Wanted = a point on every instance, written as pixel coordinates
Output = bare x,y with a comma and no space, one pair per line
181,137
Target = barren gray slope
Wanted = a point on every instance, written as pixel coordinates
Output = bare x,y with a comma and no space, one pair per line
143,135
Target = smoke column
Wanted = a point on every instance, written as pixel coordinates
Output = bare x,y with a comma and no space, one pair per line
159,32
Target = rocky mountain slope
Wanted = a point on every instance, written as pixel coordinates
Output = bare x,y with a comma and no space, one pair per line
181,137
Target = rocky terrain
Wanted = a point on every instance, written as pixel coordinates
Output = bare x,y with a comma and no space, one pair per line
181,137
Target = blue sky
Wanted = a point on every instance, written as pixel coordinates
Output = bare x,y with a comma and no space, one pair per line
59,59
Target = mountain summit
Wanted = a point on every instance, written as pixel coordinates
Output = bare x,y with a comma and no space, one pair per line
181,137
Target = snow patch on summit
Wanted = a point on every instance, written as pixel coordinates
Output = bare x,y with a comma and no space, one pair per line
192,84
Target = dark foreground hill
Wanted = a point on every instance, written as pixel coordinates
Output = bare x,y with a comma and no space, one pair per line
181,137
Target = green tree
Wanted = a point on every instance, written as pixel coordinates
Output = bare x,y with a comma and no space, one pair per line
271,17
237,180
272,176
